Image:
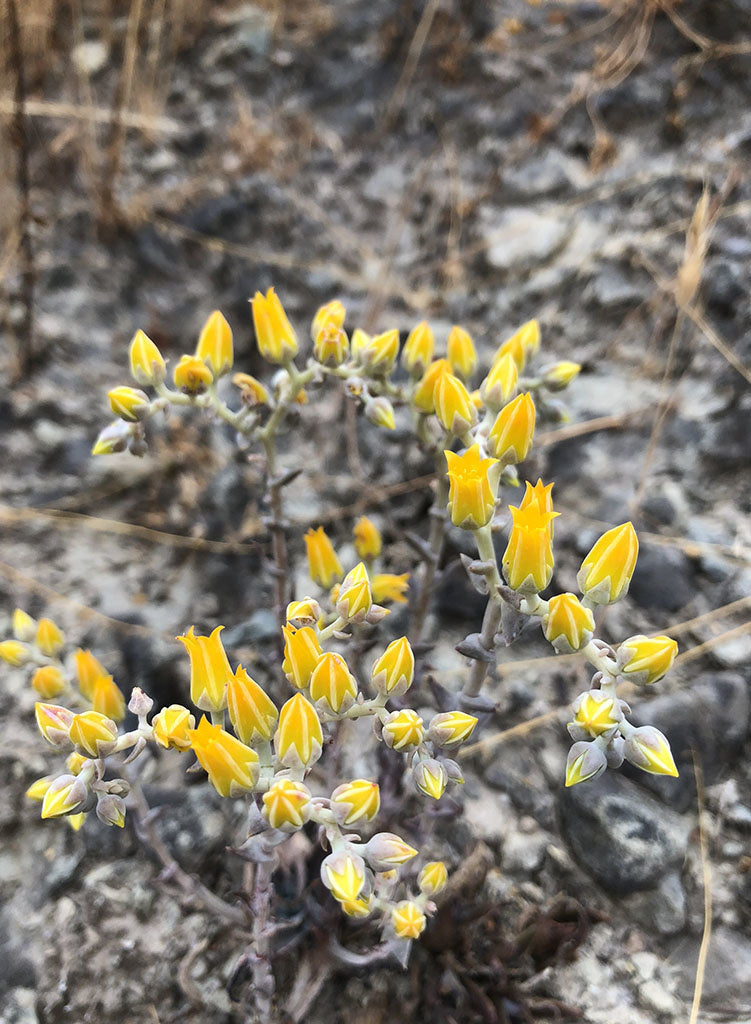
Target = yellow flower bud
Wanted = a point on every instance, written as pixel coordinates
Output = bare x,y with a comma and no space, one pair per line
403,730
287,805
408,920
209,669
215,344
649,750
48,682
354,600
430,777
513,430
380,412
521,345
146,363
130,404
275,336
360,340
423,398
110,810
557,377
367,537
540,494
585,761
528,558
108,698
64,795
301,653
331,345
252,712
88,670
453,406
74,762
394,671
172,727
379,354
473,487
252,391
323,565
54,722
606,572
114,438
500,384
331,314
299,738
418,349
389,587
232,767
93,733
75,820
192,375
357,908
356,800
432,878
24,627
332,685
14,653
461,352
644,659
39,787
450,728
567,624
344,874
596,712
49,639
385,851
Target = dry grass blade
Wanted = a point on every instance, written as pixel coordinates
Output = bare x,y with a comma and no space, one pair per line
401,89
485,746
696,652
706,870
92,114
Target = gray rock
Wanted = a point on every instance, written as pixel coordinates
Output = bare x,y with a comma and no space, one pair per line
524,853
727,978
262,625
727,440
663,578
614,290
520,774
522,238
191,823
626,840
661,910
19,1007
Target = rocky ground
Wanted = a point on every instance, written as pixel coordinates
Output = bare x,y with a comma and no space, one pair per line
528,159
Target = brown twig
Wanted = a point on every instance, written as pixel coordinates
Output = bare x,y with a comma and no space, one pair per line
706,870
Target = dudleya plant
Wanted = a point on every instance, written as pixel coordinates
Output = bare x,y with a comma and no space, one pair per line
268,751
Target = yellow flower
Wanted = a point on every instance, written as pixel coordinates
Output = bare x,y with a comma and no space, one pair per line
418,349
88,670
75,820
332,685
276,338
473,487
287,805
299,738
39,787
64,795
461,352
129,404
24,627
146,363
500,384
430,777
522,344
649,750
528,558
644,659
209,669
331,314
172,727
379,354
585,761
344,874
385,851
394,671
115,437
403,730
14,653
93,733
388,586
54,722
252,712
367,537
606,572
408,920
323,565
450,728
357,908
453,405
359,341
540,494
232,767
356,800
252,391
49,639
354,600
432,878
192,375
557,377
597,713
215,344
303,613
74,762
514,429
423,398
301,653
108,698
567,624
331,345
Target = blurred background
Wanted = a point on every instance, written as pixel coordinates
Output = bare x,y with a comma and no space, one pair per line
479,162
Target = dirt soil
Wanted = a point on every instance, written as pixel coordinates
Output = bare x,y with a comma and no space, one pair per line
469,161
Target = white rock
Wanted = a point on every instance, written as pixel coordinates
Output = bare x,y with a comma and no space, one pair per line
90,56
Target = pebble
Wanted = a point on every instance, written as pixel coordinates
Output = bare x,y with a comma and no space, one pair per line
521,238
90,56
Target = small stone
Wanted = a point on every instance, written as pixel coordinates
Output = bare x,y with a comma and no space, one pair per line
520,238
524,854
655,996
90,56
661,910
663,578
727,978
